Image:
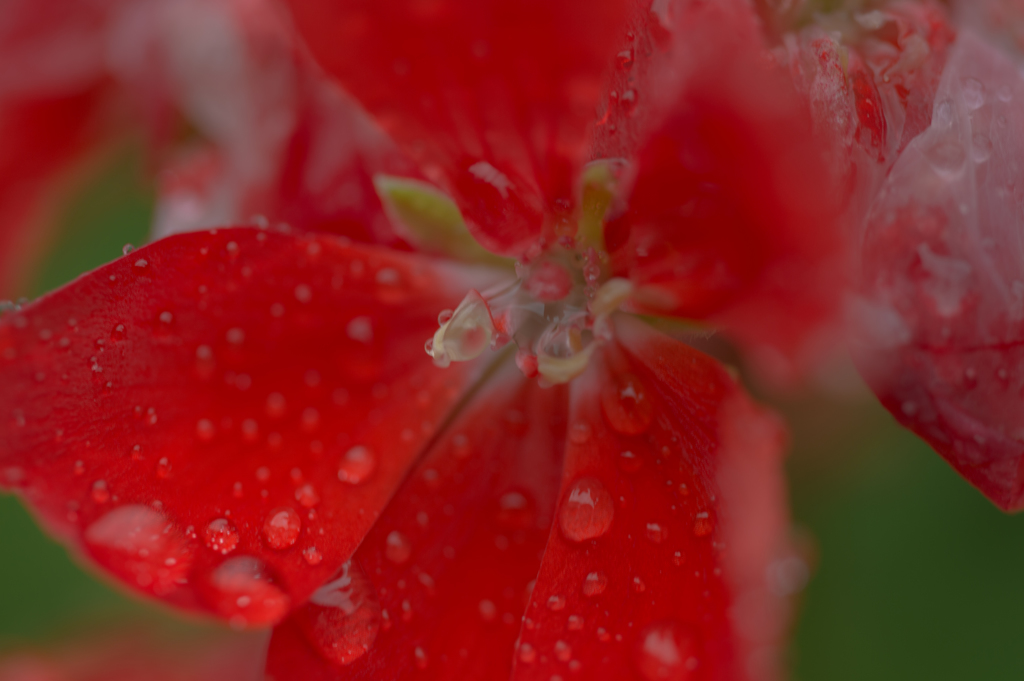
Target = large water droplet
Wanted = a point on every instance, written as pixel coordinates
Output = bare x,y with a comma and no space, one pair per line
343,616
281,528
666,653
626,405
140,545
242,590
397,548
221,536
947,157
356,465
586,511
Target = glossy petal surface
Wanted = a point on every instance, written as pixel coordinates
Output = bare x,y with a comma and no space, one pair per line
494,99
942,318
446,569
163,411
731,217
672,509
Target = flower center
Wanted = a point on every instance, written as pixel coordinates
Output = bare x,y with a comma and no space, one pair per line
556,312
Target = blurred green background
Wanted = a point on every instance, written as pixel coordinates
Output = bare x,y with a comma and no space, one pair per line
916,575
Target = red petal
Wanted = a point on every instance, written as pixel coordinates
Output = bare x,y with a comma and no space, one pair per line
672,509
493,98
157,411
440,583
731,218
941,321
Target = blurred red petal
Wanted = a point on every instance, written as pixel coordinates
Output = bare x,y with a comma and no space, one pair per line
495,99
437,589
157,411
131,657
940,320
671,513
732,218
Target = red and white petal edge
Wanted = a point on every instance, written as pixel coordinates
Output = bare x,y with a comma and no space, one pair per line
941,315
217,419
671,515
494,99
438,588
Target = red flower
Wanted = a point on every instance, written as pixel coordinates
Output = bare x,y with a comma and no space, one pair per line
241,422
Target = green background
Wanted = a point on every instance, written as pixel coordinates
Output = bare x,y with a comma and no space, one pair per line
916,575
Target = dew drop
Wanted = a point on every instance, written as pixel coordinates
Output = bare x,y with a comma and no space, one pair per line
343,617
516,510
312,555
306,496
626,405
275,405
702,524
563,651
981,148
527,654
656,532
629,462
235,336
140,545
556,603
127,249
242,591
221,536
281,528
163,468
100,493
205,430
356,465
639,585
586,511
579,434
666,653
625,59
420,658
118,333
303,293
595,584
974,94
488,611
397,547
575,623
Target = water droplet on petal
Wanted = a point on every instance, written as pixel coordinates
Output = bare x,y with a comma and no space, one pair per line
656,532
242,590
488,611
306,496
281,528
702,524
312,555
516,510
356,465
420,658
562,651
579,433
398,548
586,511
205,430
625,59
981,148
595,584
221,536
666,653
142,546
629,462
974,94
527,654
575,623
127,248
626,406
556,603
342,617
100,493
